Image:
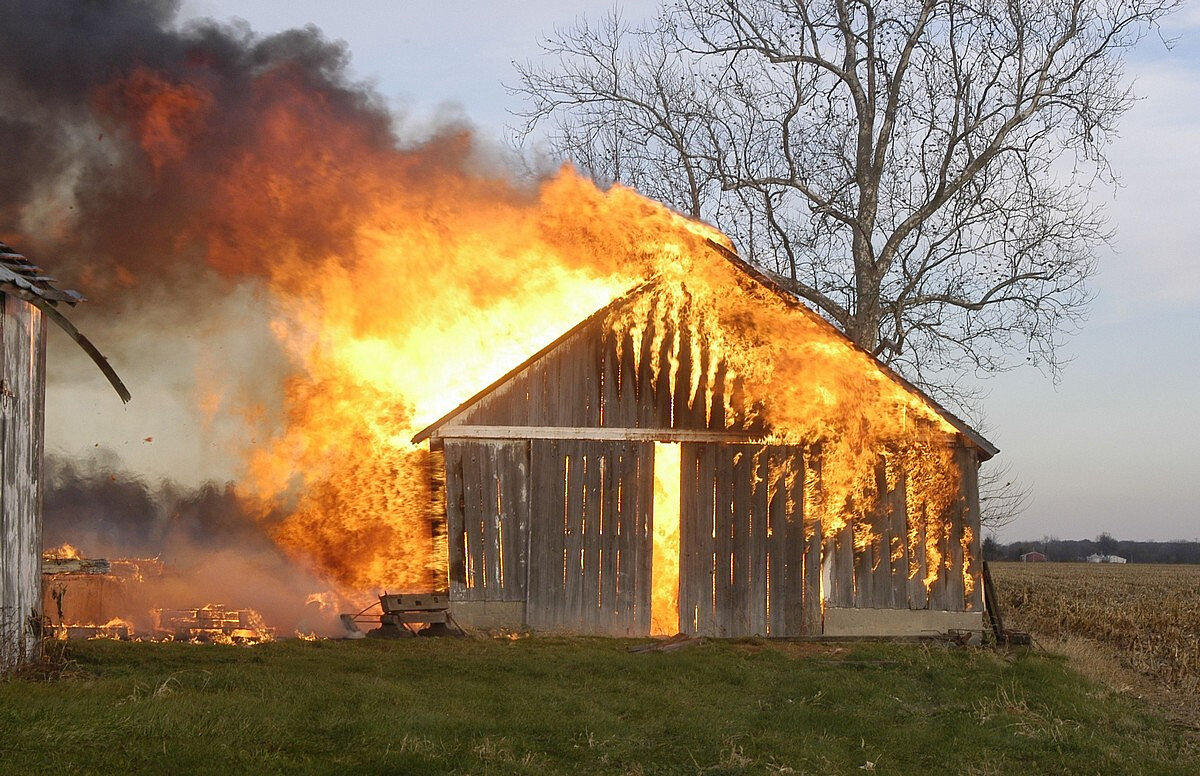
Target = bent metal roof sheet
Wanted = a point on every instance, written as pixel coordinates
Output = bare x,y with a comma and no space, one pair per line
25,280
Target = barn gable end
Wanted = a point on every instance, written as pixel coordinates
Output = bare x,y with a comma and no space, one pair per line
549,498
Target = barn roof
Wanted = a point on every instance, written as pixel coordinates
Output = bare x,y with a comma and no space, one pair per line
985,447
21,278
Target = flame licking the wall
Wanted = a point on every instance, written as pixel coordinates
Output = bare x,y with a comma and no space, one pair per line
664,563
404,276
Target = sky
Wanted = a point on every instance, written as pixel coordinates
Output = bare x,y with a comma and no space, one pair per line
1112,446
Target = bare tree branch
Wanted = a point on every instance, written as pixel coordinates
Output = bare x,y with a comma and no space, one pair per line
918,171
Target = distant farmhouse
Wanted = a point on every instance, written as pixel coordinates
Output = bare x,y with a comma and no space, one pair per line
1096,558
1034,557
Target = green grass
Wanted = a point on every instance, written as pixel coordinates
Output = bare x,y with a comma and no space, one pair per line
543,705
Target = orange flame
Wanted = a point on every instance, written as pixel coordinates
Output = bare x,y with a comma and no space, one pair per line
664,568
402,284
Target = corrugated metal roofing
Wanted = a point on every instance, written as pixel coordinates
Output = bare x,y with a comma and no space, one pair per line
23,279
22,273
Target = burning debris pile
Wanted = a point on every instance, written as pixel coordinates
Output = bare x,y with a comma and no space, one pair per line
98,598
212,624
160,561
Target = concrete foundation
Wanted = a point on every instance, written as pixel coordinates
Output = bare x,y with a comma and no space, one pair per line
489,615
898,622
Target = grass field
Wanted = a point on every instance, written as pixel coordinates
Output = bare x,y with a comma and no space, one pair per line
541,705
1147,616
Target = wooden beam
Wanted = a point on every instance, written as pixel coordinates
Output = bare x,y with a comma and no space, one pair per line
75,566
590,433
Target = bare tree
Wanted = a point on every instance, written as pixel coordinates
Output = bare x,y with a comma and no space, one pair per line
1002,497
917,171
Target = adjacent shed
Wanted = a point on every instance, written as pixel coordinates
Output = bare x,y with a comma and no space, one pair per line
27,297
546,482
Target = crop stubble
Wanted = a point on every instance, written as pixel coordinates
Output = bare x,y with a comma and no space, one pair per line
1148,616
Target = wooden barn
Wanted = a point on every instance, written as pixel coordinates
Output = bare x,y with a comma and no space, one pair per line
27,297
547,482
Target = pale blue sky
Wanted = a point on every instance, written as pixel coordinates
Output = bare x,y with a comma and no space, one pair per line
1113,447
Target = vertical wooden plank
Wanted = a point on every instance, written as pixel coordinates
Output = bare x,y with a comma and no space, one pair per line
627,415
12,639
590,613
471,520
682,413
793,507
610,377
809,497
701,405
664,395
510,472
610,616
936,530
524,503
646,376
723,594
539,511
456,538
37,426
560,546
716,418
975,556
631,546
572,603
918,593
21,367
956,586
545,532
489,491
591,364
864,591
842,573
881,549
624,555
737,403
778,592
739,546
898,516
712,521
756,557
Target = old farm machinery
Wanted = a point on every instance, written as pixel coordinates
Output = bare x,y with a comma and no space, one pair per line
398,615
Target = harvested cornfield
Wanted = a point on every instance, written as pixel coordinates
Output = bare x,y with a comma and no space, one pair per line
1148,616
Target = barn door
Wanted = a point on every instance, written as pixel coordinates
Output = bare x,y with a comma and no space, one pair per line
590,535
487,519
749,563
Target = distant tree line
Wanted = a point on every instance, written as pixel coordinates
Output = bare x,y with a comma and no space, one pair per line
1056,549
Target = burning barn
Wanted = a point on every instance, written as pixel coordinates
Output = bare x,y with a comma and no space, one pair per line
26,297
706,455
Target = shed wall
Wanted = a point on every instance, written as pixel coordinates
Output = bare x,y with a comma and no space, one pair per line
22,397
546,489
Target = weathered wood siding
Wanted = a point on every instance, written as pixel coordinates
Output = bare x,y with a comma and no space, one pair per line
590,537
22,396
487,515
547,505
750,559
600,379
881,557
